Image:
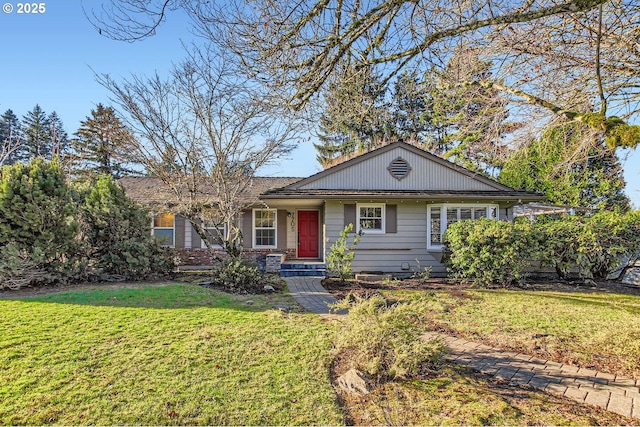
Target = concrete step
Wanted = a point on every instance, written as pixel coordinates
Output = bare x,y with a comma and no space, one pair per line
302,272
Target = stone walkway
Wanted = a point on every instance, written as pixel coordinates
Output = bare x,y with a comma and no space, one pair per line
613,393
310,294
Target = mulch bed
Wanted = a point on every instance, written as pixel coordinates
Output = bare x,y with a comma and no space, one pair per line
340,289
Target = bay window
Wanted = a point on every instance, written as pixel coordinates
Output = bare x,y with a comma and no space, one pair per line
439,217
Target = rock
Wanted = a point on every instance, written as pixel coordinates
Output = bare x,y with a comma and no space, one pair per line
248,302
269,288
284,308
354,382
205,283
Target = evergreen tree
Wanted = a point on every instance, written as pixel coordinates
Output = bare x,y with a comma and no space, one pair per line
100,144
413,107
447,112
38,219
117,233
469,120
356,117
58,137
37,133
11,138
595,180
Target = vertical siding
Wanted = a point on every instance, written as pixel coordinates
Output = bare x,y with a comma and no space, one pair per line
372,174
387,252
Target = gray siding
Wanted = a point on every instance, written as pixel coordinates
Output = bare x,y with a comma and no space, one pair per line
372,174
247,229
179,231
387,252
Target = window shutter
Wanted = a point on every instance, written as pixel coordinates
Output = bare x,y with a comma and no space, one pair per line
196,240
179,230
391,221
350,216
247,229
281,229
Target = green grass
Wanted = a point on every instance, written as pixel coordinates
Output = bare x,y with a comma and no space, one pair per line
162,355
600,330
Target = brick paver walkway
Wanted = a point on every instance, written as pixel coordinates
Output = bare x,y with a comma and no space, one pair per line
613,393
310,294
616,394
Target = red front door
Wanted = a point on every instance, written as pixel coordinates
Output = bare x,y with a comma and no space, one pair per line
308,234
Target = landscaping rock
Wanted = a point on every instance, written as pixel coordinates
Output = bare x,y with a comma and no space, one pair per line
269,288
205,283
354,382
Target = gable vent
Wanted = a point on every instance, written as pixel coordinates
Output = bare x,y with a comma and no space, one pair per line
399,168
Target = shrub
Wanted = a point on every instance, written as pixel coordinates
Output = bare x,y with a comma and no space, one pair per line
341,255
117,232
489,252
39,231
239,275
20,268
595,245
384,341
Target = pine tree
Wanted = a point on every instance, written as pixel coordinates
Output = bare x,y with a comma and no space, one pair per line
11,138
413,107
37,132
100,144
356,118
58,137
469,120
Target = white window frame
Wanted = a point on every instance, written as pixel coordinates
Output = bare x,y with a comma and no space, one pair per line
275,228
443,218
203,245
383,219
172,228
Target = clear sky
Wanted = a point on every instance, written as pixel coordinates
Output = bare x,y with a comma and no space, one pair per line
50,58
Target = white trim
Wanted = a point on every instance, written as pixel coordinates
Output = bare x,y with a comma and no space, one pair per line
443,218
382,219
274,228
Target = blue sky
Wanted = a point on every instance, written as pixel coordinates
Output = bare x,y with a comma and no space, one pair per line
50,59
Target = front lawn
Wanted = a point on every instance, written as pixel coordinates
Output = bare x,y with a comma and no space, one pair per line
595,330
162,355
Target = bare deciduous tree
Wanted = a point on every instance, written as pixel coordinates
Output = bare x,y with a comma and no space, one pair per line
577,59
204,132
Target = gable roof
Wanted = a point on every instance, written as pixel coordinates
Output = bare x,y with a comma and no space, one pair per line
153,192
373,174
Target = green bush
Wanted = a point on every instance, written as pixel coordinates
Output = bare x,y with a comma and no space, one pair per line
498,253
596,246
341,255
384,341
489,252
239,275
116,230
39,231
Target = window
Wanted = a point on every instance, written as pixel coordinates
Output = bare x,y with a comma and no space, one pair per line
441,216
264,228
163,228
215,235
370,218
